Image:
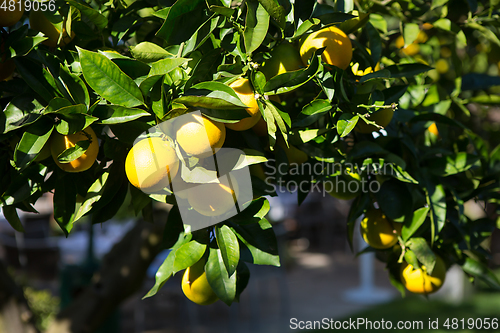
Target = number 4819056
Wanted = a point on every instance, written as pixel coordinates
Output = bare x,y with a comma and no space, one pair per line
29,5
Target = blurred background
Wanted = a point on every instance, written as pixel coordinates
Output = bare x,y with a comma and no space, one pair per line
320,276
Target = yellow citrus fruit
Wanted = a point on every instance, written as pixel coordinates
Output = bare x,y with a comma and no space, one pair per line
198,135
344,186
442,66
284,58
151,164
382,118
413,48
39,22
293,154
6,69
419,281
338,50
214,199
59,143
433,129
11,14
244,90
260,128
195,285
377,230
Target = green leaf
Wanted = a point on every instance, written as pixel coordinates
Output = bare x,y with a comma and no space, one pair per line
346,123
173,228
275,10
72,153
22,47
219,90
113,202
205,67
486,32
94,16
201,34
412,259
75,86
423,252
256,25
33,74
223,284
188,254
228,12
417,220
312,112
452,164
259,243
71,123
65,204
166,269
165,66
255,212
410,33
375,42
304,27
229,247
10,214
437,203
407,70
485,99
179,15
292,80
394,199
113,114
33,140
93,195
108,80
482,272
149,52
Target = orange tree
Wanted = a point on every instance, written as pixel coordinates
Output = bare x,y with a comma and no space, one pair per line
360,102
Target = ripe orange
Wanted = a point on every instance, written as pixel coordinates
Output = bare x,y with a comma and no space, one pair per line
195,285
214,199
377,230
344,186
40,22
244,90
433,129
59,143
284,58
338,50
294,155
198,135
419,281
413,48
382,117
10,17
151,164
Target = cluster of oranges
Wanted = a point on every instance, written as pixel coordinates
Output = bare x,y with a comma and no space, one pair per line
382,233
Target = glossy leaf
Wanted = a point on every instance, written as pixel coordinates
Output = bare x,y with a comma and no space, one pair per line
112,114
108,80
188,254
32,142
256,25
229,247
223,284
149,52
